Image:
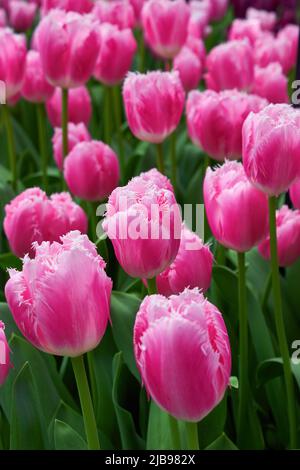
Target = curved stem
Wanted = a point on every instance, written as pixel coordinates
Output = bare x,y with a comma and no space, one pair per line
64,125
160,158
10,145
118,118
174,159
243,340
152,286
42,141
174,433
86,403
192,436
283,346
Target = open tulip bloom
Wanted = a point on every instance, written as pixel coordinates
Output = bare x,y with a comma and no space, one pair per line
150,242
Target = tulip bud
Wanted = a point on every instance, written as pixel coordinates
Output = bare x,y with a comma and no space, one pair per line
288,237
183,353
189,67
165,26
76,133
237,212
217,9
35,86
12,61
271,148
245,29
21,14
79,106
153,104
270,83
32,217
66,309
4,355
118,12
290,36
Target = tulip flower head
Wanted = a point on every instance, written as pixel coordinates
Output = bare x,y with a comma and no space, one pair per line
4,355
79,106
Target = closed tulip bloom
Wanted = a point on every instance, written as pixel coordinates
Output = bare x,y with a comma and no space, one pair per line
69,45
153,103
217,9
269,49
91,170
33,217
76,133
290,35
117,12
182,351
294,192
143,223
79,106
3,18
137,6
4,355
80,6
189,67
267,19
155,177
21,14
12,61
60,300
165,26
237,212
230,65
288,237
271,83
197,46
271,148
115,55
191,268
35,86
246,29
200,13
215,120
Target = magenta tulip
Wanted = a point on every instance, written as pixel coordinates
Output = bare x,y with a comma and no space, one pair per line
267,19
288,237
80,6
68,44
79,106
117,12
271,83
153,104
183,353
32,217
60,300
115,55
269,49
76,133
246,29
165,26
91,170
271,148
237,212
217,9
35,86
12,61
230,65
3,18
189,67
295,194
21,14
191,268
4,355
290,35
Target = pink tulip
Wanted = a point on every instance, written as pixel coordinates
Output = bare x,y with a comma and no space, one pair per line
270,83
60,300
237,212
12,61
79,106
91,170
246,29
80,6
165,26
4,355
21,14
189,67
191,268
290,36
35,86
69,45
137,6
271,148
295,194
3,18
267,19
215,120
143,222
197,46
76,133
230,65
218,9
269,49
32,217
116,54
200,13
183,353
288,237
117,12
154,104
155,177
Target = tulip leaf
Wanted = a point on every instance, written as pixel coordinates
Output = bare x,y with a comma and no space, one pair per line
222,443
66,438
9,260
272,368
213,424
159,433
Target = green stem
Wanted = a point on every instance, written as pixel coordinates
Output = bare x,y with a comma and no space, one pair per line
91,370
86,403
174,159
93,219
10,145
160,158
107,115
118,118
64,125
43,142
283,346
152,286
174,433
221,254
141,44
63,366
192,436
243,340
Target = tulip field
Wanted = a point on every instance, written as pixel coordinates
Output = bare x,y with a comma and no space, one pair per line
150,225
